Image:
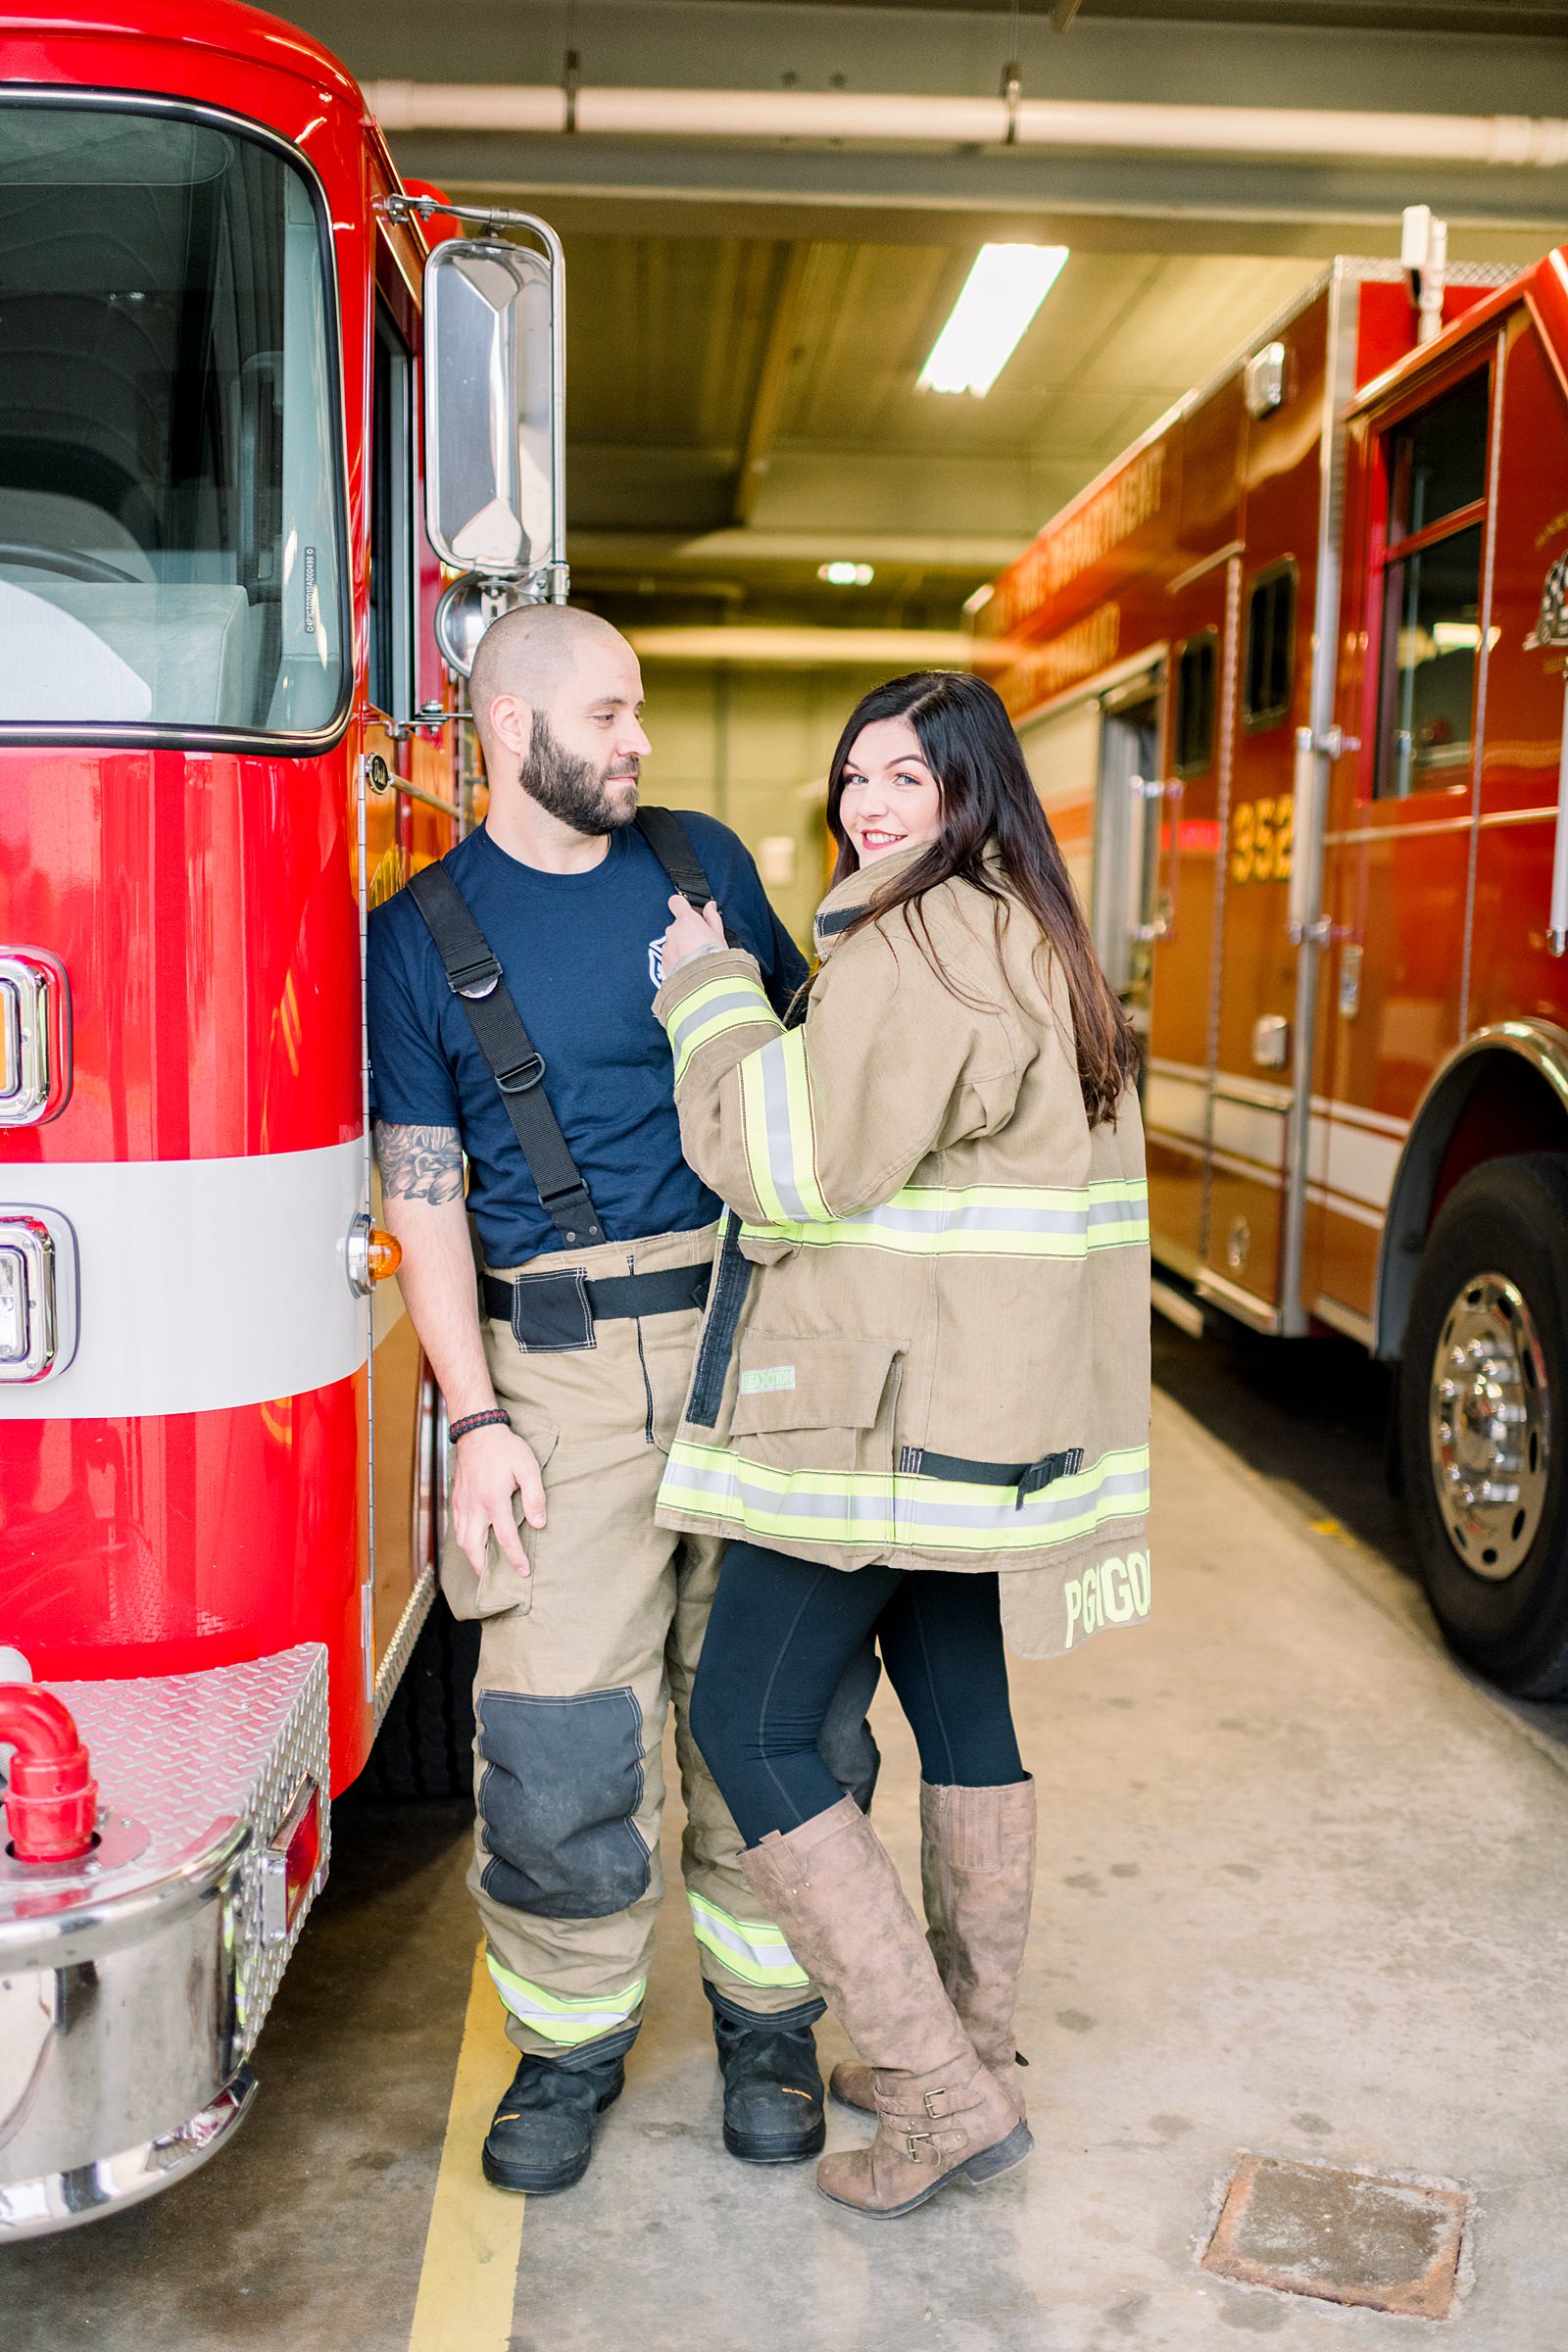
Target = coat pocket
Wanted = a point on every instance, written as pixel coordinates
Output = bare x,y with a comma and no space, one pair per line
816,1403
499,1586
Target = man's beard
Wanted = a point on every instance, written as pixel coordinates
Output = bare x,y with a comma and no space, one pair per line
574,790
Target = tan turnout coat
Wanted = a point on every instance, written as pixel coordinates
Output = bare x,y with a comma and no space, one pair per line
927,1337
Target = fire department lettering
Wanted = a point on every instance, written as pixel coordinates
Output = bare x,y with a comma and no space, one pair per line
1113,1593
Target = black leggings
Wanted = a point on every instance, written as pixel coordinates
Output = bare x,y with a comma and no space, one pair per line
783,1633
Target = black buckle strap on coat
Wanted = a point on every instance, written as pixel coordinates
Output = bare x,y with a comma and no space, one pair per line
511,1057
1027,1477
554,1310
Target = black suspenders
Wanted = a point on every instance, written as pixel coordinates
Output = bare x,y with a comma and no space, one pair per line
670,844
510,1055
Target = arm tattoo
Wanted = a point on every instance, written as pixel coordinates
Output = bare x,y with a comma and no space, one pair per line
419,1163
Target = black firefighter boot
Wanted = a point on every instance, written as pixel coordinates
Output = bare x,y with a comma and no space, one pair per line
772,2088
543,2133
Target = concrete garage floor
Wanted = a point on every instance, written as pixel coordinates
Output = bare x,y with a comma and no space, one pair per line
1301,1894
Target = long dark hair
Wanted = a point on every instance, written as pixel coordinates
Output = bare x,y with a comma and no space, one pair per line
966,741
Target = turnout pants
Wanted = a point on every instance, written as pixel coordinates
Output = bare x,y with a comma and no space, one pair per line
578,1663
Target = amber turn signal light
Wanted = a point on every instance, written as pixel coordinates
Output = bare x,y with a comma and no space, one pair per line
369,1256
382,1254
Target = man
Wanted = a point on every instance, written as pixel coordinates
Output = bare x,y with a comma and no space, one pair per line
596,1240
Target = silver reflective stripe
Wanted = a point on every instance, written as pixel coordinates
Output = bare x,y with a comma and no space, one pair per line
901,1215
899,1508
567,2022
1115,1219
780,1139
982,1220
713,1011
750,1950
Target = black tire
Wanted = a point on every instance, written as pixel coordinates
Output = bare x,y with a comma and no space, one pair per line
1508,1219
424,1748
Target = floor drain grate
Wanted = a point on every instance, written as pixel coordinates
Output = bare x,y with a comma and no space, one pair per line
1346,2237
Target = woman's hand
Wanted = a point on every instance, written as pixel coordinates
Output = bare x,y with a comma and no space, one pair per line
690,934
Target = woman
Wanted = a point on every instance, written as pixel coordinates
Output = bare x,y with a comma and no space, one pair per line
921,1400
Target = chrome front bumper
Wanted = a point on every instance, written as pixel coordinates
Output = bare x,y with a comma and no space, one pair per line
134,1983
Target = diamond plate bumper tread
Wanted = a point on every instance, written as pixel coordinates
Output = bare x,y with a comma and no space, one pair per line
134,1983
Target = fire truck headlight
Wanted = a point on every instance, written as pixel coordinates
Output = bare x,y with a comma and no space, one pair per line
13,1306
39,1313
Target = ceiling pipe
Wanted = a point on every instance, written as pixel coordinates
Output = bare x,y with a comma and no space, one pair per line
789,645
1303,133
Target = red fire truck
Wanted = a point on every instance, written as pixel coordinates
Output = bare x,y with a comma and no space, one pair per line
1291,679
228,343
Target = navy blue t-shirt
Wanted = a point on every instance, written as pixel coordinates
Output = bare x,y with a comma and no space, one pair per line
580,956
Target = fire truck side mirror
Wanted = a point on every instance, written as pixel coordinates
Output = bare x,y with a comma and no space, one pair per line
494,410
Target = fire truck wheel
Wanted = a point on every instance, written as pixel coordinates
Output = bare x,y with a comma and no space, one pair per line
424,1748
1484,1422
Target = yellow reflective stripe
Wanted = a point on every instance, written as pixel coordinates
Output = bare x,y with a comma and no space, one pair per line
736,1001
748,1948
790,1051
1119,1214
779,1139
902,1508
569,2022
983,1220
754,1133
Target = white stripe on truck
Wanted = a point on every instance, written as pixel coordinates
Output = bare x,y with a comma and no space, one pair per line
205,1283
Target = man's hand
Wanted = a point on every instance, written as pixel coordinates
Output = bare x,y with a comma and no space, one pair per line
493,1465
690,934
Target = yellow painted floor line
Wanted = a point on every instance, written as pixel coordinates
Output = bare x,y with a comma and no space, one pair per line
468,2279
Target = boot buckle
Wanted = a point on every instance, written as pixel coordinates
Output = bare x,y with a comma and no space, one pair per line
911,2143
934,2113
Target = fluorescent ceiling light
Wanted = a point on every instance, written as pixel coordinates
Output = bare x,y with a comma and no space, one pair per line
846,575
1001,296
1461,636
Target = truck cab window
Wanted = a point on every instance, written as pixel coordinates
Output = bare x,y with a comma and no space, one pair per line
1429,593
170,518
1270,664
391,679
1193,731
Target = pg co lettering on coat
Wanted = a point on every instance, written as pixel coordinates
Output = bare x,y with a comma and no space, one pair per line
1115,1592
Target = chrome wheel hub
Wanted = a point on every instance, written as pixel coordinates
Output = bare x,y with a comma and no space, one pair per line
1489,1425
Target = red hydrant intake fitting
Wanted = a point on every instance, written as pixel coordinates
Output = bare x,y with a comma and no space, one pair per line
52,1800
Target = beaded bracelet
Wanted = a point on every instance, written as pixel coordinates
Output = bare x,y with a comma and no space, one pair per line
495,1418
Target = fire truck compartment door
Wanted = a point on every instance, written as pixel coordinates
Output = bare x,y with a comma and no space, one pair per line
1094,762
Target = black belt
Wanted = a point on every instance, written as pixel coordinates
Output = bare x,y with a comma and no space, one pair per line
557,1309
1027,1477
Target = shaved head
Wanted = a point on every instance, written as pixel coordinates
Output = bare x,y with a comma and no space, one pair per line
557,697
531,654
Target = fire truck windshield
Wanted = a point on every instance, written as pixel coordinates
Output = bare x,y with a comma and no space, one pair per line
170,512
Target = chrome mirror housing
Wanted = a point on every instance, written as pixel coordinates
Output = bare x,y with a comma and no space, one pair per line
466,611
494,409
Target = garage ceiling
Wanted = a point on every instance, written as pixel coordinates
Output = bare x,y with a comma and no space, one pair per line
935,492
747,318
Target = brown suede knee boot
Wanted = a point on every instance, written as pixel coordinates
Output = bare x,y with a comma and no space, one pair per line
977,1868
835,1894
